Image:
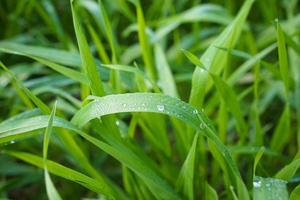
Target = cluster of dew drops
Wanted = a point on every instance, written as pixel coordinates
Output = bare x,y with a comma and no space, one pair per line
162,108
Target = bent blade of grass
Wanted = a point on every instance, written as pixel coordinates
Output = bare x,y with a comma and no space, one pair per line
185,180
55,55
269,189
70,73
214,59
202,13
157,103
50,188
139,102
52,55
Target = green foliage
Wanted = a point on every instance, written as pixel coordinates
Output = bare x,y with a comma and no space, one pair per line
150,99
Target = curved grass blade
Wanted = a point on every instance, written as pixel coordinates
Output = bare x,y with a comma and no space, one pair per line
151,102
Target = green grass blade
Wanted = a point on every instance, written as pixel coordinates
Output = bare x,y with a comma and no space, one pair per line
288,171
210,193
72,74
165,77
283,59
51,190
269,189
150,102
144,42
214,59
87,59
185,181
63,172
295,194
257,158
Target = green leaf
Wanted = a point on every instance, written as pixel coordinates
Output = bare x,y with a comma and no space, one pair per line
269,189
258,156
63,172
185,180
157,103
295,194
213,58
144,42
193,58
87,59
51,190
233,105
210,193
283,59
288,171
165,77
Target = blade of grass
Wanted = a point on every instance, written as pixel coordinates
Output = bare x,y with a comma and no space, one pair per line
269,189
50,188
185,180
212,55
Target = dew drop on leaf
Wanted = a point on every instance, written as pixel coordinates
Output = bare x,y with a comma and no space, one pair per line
160,108
256,184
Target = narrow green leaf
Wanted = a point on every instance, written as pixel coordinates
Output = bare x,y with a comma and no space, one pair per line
51,190
282,53
257,158
210,193
144,42
185,181
214,59
288,171
87,59
295,194
63,172
269,189
165,77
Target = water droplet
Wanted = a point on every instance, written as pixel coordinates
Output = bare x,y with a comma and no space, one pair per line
256,184
117,122
202,126
12,142
124,105
160,108
195,112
